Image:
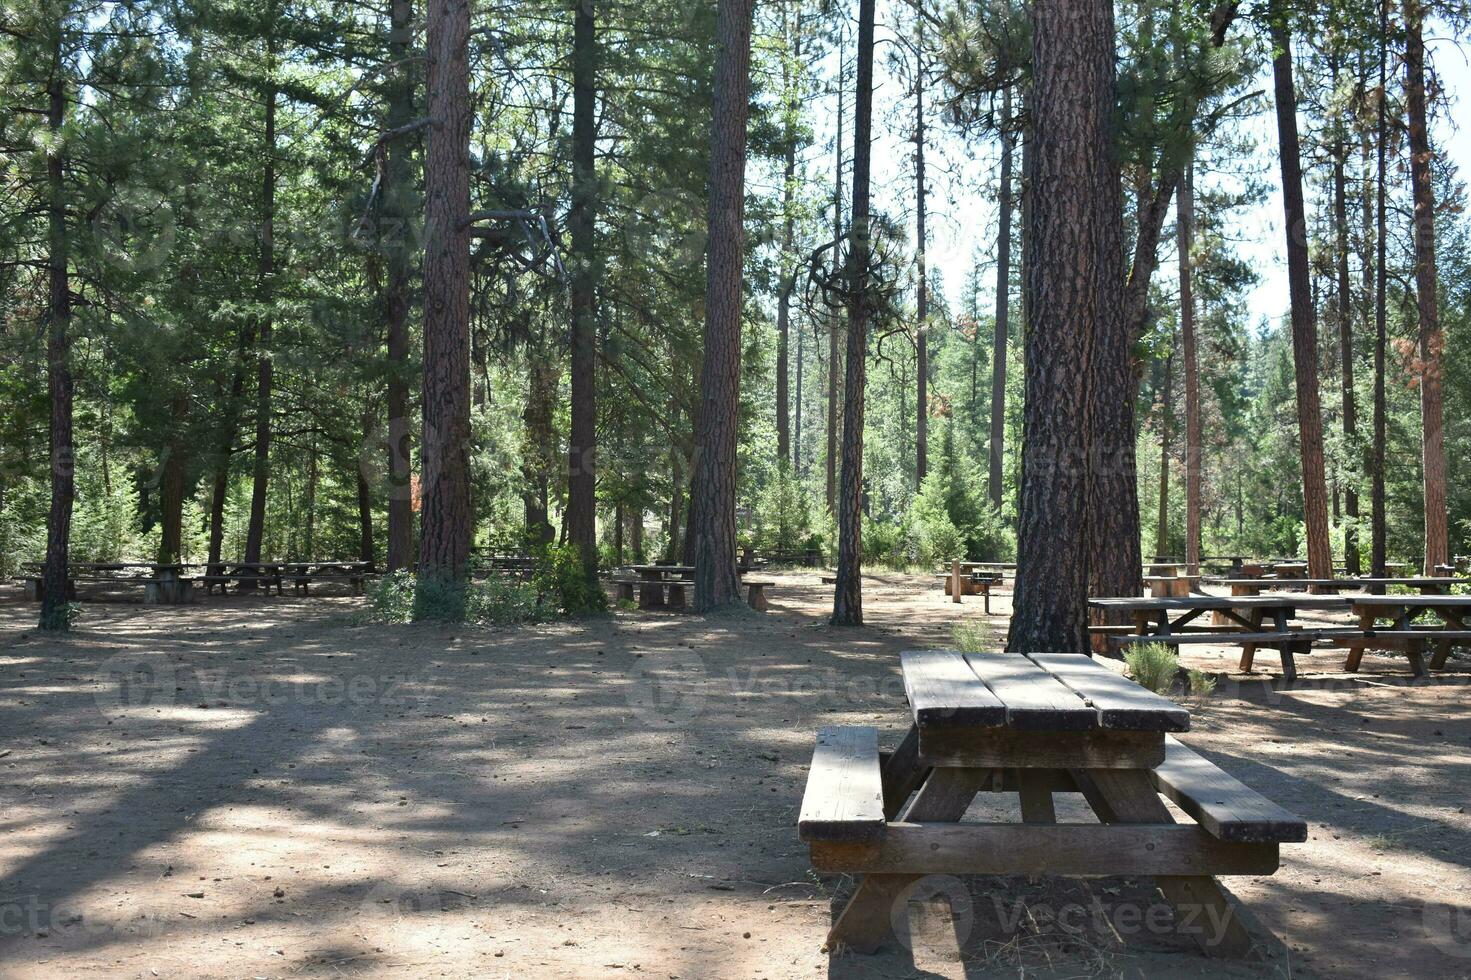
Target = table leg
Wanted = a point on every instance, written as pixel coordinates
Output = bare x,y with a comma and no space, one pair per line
867,921
1248,650
1289,665
1129,796
1452,621
1034,786
1356,647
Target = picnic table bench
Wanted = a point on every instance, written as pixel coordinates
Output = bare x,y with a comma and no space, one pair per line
1034,725
255,573
164,583
652,580
1240,622
1403,634
304,573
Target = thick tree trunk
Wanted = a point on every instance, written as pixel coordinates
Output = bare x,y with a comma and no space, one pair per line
922,298
1073,271
445,522
582,445
398,207
55,574
1194,431
365,504
539,449
1379,556
834,356
1432,340
1304,318
172,483
717,582
266,272
848,591
1003,305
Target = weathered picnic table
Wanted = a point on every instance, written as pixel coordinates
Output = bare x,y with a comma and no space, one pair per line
163,582
970,578
1403,634
1240,621
1034,725
1427,585
245,574
304,573
654,579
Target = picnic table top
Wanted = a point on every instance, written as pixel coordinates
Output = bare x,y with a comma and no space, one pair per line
1039,692
1362,599
664,569
1415,582
1208,602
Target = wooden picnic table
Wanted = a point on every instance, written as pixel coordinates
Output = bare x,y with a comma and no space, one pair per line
1403,634
1237,620
1429,585
655,578
1034,725
163,582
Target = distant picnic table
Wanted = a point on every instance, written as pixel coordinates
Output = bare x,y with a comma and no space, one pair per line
1237,620
1404,634
164,583
1429,585
1033,725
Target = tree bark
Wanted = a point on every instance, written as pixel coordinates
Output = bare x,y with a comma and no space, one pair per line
1432,340
1073,274
1378,533
445,523
1194,430
1166,423
539,450
172,483
834,356
784,295
366,550
1003,305
1344,311
398,243
266,272
1304,318
55,574
582,444
922,299
717,582
848,591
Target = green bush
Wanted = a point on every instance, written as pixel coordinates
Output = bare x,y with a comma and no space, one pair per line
1154,666
563,583
1202,685
783,514
499,600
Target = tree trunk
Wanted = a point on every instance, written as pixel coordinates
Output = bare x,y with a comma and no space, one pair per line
55,575
1432,340
1304,318
582,445
1003,305
445,522
266,271
848,591
398,242
1344,309
365,504
172,483
834,357
1379,556
1073,271
1162,526
309,546
1194,431
922,299
717,582
785,284
539,450
797,406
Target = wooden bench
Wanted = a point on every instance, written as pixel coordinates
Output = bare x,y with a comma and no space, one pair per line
210,581
301,582
756,593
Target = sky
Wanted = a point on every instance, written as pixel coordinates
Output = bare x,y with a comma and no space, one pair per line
963,214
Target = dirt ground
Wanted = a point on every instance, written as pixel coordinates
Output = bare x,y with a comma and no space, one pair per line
271,787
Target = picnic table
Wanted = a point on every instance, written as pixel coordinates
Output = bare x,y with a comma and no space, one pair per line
1428,585
254,573
304,573
1033,725
163,582
654,579
1403,634
970,578
1239,620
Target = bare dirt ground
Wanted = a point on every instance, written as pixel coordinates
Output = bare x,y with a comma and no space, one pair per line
254,787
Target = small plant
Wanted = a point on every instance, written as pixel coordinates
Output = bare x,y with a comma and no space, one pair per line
1153,666
1202,685
563,583
627,605
971,636
391,598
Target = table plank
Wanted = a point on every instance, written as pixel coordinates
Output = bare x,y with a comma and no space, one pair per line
944,691
1034,699
1121,704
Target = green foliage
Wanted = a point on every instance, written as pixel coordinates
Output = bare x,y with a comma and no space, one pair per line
784,514
972,636
886,543
1202,685
1153,666
63,617
494,601
951,517
563,583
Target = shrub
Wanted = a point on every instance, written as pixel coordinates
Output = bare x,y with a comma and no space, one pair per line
499,600
1202,685
563,583
1153,665
784,514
